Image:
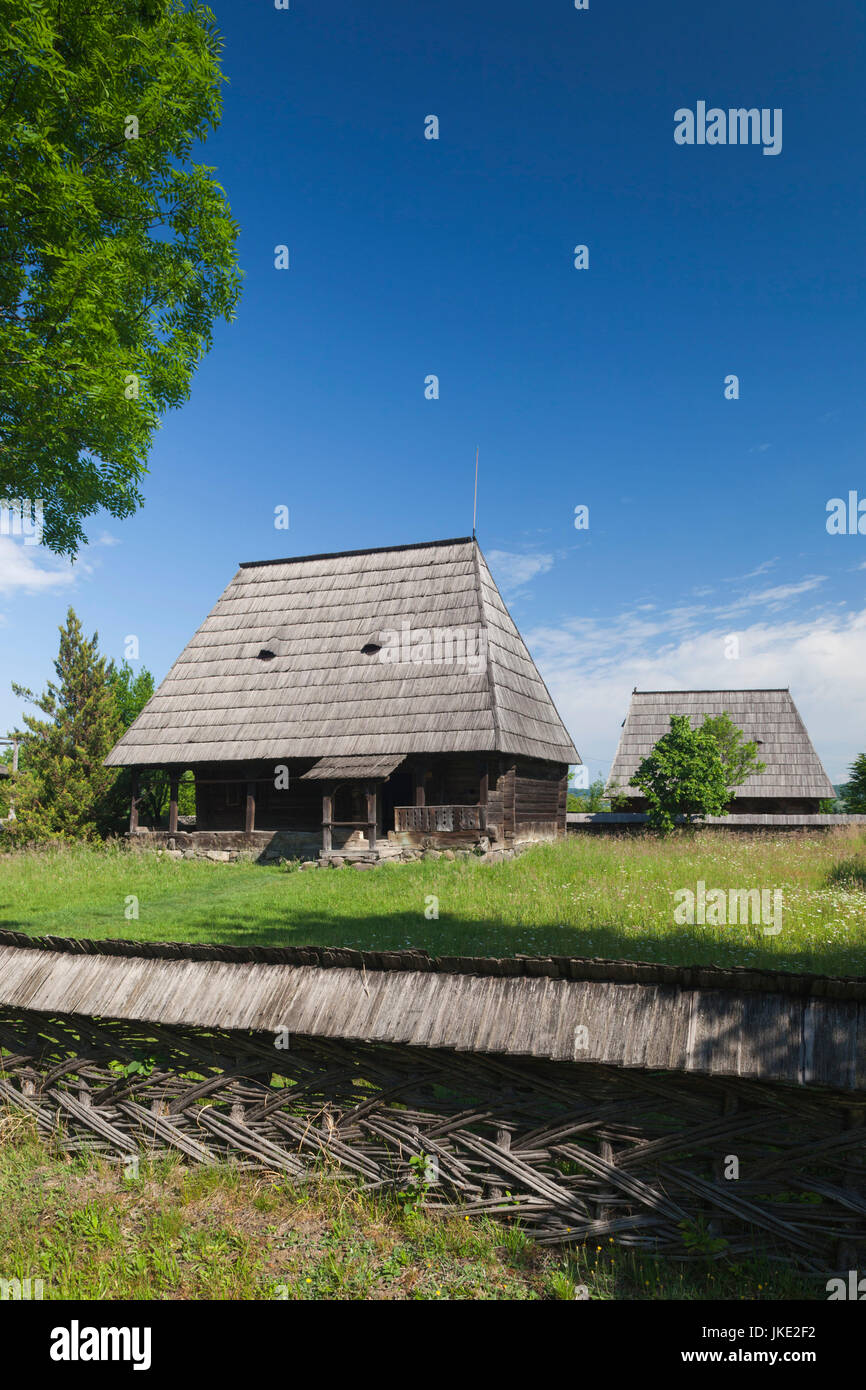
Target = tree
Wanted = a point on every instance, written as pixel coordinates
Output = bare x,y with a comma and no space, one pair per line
593,799
131,691
117,251
854,791
683,775
63,791
739,757
693,771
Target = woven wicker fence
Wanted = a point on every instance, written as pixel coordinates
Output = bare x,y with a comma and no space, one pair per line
572,1151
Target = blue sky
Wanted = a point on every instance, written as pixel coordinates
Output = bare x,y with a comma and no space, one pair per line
603,387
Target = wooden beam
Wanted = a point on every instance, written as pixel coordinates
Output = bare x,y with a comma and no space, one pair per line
250,812
172,803
327,818
483,793
371,816
418,783
133,805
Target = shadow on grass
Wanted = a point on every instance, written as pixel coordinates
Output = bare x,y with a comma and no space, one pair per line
451,935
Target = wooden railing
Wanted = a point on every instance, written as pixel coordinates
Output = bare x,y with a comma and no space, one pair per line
437,818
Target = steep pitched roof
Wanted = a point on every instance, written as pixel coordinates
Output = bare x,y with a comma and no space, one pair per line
793,768
317,693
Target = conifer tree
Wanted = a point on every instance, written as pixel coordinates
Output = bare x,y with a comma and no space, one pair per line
854,791
63,791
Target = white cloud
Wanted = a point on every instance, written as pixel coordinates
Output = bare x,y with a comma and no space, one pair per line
776,597
592,666
107,539
761,569
513,572
20,570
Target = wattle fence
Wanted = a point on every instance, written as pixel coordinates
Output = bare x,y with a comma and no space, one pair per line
682,1111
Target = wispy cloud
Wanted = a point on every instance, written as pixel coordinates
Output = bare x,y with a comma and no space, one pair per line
764,566
776,597
21,571
591,667
514,572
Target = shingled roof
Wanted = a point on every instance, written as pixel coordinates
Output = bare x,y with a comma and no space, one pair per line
317,693
793,768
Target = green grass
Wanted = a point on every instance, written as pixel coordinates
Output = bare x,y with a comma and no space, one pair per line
588,895
176,1232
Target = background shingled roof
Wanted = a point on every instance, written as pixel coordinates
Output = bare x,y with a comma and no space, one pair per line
319,695
793,768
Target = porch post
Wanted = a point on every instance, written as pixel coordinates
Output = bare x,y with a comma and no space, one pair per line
172,802
250,813
418,782
133,805
327,817
371,815
483,790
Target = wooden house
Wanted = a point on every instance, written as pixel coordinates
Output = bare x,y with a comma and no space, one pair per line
793,781
360,703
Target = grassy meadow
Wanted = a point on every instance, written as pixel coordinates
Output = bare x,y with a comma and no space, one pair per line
587,895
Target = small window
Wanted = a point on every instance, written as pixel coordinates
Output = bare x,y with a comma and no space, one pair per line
371,648
266,654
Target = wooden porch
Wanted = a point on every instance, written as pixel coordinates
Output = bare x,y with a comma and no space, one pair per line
370,806
434,819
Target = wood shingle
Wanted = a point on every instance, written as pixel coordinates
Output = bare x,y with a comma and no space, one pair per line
293,662
770,717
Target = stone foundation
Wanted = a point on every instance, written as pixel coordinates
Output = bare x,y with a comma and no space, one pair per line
264,846
305,847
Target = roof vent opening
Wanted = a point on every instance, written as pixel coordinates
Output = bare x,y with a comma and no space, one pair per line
266,654
371,648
